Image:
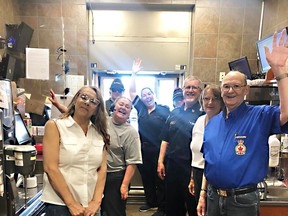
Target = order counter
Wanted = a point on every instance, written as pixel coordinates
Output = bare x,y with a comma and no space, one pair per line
275,201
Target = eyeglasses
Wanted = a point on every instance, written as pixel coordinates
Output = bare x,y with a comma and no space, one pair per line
207,99
93,101
191,87
118,90
235,87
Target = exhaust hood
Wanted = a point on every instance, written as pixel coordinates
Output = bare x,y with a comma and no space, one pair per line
161,38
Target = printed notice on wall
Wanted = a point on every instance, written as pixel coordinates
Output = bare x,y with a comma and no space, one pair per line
74,82
37,63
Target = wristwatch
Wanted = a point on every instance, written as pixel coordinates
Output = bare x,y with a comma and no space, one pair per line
281,76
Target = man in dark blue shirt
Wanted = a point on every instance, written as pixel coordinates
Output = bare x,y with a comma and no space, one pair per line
175,149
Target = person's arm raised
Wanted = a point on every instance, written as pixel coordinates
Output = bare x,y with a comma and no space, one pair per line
56,103
135,69
278,60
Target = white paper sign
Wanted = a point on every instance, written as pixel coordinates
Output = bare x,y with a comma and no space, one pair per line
74,82
37,63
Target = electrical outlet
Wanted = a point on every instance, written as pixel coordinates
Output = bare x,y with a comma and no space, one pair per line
221,76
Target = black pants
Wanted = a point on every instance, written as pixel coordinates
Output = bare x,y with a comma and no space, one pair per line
197,177
178,199
154,187
112,204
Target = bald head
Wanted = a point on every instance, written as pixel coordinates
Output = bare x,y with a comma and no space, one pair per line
236,75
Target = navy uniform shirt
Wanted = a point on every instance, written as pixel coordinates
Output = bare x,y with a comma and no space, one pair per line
150,124
178,131
108,104
236,149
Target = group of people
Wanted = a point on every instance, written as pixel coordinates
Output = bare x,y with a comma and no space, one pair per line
205,157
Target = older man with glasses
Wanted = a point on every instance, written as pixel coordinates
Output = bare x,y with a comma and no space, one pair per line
175,150
235,144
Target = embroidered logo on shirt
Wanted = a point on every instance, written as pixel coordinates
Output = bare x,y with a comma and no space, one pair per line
240,148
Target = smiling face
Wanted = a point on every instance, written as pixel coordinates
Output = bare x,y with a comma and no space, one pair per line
86,103
122,110
211,103
191,92
147,97
233,90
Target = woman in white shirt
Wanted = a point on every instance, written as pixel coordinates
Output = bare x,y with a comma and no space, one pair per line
212,104
74,152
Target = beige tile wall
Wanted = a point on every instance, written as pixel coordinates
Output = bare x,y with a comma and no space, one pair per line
51,20
275,16
224,30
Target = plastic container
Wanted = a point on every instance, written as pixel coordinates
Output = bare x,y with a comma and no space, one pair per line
274,149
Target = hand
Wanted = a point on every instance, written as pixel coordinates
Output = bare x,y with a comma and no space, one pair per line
161,170
76,209
92,208
191,187
52,98
201,206
136,65
124,192
277,58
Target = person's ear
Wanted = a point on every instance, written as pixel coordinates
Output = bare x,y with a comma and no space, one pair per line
247,89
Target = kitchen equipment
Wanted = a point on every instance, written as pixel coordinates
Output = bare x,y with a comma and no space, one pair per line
25,160
9,159
262,189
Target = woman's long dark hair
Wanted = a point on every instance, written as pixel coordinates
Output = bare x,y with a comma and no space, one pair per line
99,118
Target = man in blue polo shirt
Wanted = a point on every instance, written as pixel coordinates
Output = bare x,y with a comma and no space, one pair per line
235,144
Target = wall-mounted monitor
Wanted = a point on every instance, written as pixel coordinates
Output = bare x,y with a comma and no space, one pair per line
267,41
241,65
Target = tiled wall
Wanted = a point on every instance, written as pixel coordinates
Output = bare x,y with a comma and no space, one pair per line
275,16
6,16
51,20
222,30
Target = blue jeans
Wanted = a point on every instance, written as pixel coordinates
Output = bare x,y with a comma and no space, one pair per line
58,210
237,205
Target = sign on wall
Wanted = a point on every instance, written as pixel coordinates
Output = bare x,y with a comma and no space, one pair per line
37,63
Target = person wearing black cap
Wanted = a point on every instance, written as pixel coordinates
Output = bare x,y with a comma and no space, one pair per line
178,99
116,90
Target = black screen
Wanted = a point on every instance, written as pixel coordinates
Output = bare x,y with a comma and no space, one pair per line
21,133
241,65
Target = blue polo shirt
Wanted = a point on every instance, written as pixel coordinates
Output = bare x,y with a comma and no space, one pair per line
236,149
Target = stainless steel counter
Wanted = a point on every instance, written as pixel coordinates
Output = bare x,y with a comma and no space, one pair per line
34,206
277,194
